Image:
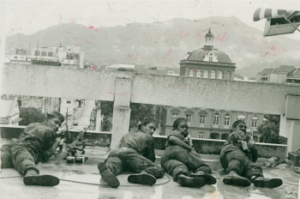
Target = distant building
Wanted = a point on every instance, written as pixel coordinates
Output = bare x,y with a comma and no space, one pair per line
70,56
208,62
283,74
68,105
211,123
10,112
264,76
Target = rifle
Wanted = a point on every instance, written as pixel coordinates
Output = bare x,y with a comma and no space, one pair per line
74,145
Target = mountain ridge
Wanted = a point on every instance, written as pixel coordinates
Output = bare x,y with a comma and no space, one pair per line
167,42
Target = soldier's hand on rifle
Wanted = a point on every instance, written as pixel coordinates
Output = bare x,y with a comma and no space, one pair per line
61,133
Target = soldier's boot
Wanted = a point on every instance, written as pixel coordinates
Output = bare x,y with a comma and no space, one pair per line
236,180
33,178
108,176
209,179
142,178
187,181
267,182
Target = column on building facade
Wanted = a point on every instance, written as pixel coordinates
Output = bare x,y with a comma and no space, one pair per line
98,119
290,122
121,112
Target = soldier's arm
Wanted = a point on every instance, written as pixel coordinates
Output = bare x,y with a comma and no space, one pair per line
47,154
149,152
173,140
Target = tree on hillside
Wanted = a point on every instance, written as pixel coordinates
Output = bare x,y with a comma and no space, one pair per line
269,130
30,115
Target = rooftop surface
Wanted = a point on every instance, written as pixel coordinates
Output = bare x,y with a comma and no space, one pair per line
82,180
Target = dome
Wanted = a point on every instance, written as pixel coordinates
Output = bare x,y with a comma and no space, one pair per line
198,55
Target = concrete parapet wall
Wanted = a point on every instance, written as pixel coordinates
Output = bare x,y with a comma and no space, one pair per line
210,146
149,89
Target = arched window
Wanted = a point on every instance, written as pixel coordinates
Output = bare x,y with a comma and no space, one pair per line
205,74
220,75
188,118
211,57
213,74
191,73
254,122
198,73
227,120
216,119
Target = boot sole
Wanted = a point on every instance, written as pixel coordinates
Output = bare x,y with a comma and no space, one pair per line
107,176
41,180
268,183
237,182
209,179
195,182
144,179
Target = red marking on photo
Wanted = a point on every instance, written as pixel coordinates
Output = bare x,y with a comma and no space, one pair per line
91,27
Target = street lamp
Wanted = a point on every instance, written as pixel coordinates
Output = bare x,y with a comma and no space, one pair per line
278,22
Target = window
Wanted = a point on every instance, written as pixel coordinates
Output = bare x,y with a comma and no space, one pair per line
201,135
44,53
213,74
255,138
189,118
68,102
224,136
50,54
37,53
216,120
264,79
254,122
214,136
174,115
220,75
205,74
198,73
202,119
191,72
210,57
227,120
241,117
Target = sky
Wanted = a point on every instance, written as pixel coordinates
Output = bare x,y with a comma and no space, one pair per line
28,17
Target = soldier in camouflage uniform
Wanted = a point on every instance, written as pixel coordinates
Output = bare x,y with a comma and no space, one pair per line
37,144
238,157
134,153
182,162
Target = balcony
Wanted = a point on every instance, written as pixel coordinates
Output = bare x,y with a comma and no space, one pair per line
123,88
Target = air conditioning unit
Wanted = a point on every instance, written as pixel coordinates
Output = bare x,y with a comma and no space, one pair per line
280,26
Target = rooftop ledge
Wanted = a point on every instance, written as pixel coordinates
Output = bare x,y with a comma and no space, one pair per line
202,146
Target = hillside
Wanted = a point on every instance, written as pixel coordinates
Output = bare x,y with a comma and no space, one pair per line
166,43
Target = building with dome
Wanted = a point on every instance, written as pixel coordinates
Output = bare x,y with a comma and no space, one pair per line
208,62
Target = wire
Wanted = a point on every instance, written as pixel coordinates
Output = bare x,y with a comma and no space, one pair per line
290,22
89,183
